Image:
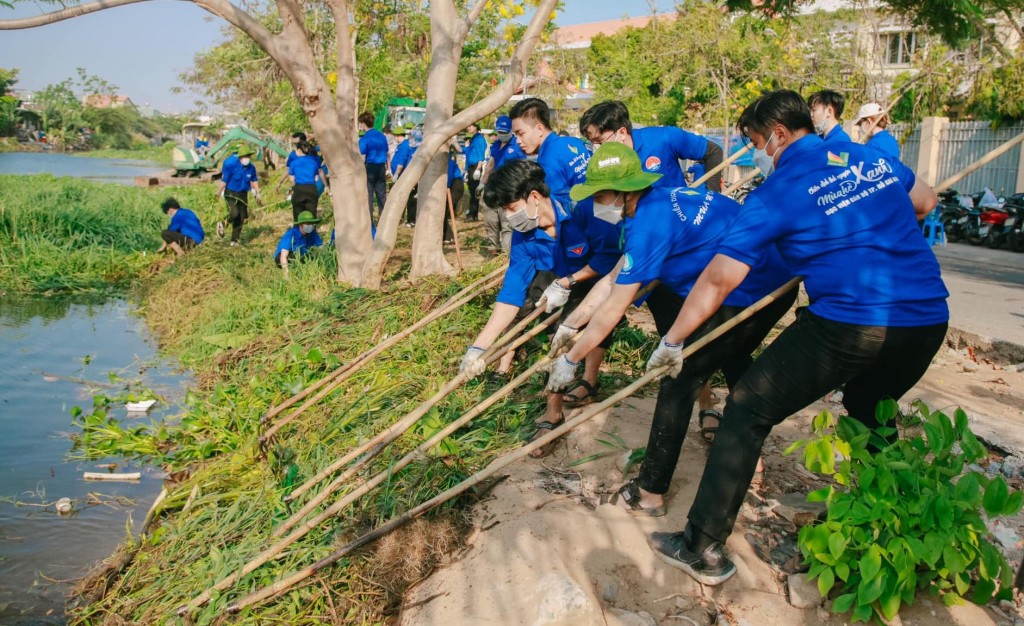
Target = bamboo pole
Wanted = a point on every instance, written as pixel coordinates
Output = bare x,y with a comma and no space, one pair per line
987,158
721,166
749,176
503,462
357,363
455,230
372,448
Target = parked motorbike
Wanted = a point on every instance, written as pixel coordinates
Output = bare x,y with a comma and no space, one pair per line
987,214
1012,227
952,207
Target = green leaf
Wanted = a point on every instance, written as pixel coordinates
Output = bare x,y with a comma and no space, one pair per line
843,603
952,559
898,465
836,545
315,356
1013,503
819,495
870,563
867,476
983,591
227,340
842,571
943,512
996,495
889,603
886,410
793,447
825,582
870,589
950,599
968,489
592,457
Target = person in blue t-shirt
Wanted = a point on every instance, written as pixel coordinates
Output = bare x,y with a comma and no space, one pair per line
556,257
564,159
845,218
873,123
456,187
403,153
298,240
661,148
669,235
185,230
373,145
504,148
305,172
237,177
826,111
476,156
411,206
297,136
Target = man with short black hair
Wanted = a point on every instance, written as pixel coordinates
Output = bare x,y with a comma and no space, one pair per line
564,159
237,177
826,110
185,230
476,157
660,147
373,145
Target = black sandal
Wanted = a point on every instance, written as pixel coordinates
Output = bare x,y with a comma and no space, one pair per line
630,494
546,449
707,433
572,400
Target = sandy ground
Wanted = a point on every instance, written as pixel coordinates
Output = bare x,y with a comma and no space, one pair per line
545,551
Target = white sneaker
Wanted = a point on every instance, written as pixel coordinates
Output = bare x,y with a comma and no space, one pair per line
234,243
220,229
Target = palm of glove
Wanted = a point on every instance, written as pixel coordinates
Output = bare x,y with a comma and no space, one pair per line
561,373
563,339
473,364
667,355
555,296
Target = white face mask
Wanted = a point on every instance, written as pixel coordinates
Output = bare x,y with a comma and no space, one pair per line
763,161
611,213
504,137
306,228
245,160
821,127
521,220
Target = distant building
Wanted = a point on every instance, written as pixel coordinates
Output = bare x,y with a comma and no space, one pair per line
107,101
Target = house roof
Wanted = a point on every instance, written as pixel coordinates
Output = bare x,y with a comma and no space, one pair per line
580,35
106,101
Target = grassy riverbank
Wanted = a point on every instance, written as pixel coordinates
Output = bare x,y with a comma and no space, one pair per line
158,154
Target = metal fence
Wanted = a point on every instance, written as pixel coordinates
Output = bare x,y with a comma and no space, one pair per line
963,143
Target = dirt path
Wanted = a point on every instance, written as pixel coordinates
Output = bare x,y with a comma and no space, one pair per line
544,551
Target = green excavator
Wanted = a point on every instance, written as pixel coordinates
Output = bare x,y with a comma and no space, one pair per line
190,163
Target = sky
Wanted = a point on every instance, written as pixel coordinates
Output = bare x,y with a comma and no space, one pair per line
143,48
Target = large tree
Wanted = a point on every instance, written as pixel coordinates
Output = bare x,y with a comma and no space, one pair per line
331,109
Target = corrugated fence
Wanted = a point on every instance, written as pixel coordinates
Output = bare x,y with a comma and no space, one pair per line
963,143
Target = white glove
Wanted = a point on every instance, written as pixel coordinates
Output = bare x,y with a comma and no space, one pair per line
563,339
670,354
472,364
555,295
561,373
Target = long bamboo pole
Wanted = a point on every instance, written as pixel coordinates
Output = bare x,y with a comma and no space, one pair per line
366,357
503,462
721,166
749,176
444,309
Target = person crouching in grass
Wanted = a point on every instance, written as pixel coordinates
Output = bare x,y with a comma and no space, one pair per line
298,240
185,230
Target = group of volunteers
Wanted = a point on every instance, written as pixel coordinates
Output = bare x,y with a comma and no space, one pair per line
593,232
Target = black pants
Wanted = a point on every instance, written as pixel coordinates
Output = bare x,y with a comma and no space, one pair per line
376,186
577,293
473,183
304,198
410,207
730,353
238,211
173,236
809,359
458,189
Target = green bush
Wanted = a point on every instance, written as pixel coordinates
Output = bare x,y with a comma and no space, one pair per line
906,518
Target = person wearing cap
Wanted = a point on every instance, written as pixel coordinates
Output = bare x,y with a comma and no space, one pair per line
237,177
661,148
826,110
556,256
298,240
403,152
847,223
564,159
504,148
185,230
305,173
476,155
374,148
873,122
669,235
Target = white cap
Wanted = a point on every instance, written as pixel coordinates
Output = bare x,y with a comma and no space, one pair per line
870,109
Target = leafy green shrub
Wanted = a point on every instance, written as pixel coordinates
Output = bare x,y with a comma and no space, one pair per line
906,518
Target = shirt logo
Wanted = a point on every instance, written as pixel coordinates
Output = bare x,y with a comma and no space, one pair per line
652,164
838,160
573,149
578,249
627,262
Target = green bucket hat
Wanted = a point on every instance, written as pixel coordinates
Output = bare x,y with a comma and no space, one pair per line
245,151
614,166
307,218
398,130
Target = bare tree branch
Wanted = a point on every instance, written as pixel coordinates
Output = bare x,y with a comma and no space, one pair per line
244,22
64,14
474,13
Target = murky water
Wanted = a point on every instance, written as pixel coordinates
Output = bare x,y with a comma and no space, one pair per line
105,170
44,346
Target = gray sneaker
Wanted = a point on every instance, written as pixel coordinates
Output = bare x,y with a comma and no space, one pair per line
709,567
220,229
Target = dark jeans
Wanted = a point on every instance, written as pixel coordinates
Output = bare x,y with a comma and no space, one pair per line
472,183
238,211
730,353
173,236
376,185
304,198
809,359
410,208
457,189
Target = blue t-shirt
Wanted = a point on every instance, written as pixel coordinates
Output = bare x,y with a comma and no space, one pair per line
676,232
403,154
374,145
187,223
454,172
660,149
238,177
837,135
297,243
580,240
842,218
476,151
291,157
502,153
564,161
884,142
305,169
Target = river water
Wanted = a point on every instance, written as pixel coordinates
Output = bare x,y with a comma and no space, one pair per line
55,354
121,171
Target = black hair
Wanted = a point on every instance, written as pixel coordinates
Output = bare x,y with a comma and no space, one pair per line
782,106
301,136
306,147
366,119
514,181
532,108
607,116
168,204
828,98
